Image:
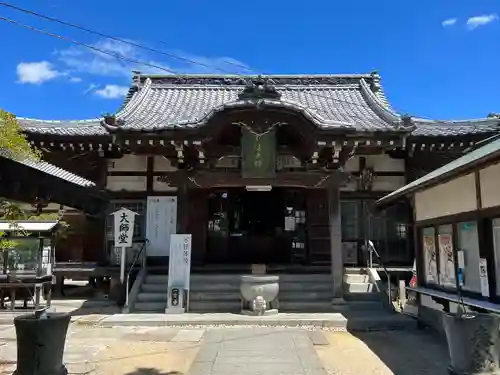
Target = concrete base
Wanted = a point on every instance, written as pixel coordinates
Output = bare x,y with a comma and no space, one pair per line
334,321
266,313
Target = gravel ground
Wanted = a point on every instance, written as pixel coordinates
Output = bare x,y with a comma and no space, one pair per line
384,353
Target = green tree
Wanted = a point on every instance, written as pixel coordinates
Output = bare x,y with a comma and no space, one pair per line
14,144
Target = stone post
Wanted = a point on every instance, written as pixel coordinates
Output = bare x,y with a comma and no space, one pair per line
337,262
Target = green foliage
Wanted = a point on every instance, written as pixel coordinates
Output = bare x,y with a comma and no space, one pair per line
13,140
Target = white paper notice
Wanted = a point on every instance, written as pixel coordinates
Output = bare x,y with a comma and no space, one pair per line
483,274
289,223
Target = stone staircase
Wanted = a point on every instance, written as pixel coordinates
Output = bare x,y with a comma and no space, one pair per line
358,287
152,296
215,293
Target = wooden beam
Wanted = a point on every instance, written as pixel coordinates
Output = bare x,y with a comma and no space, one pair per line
213,179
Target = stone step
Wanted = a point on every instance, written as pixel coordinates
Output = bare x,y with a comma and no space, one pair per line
357,306
154,288
359,288
356,278
157,307
305,296
214,296
363,296
152,297
305,287
306,278
355,271
381,321
215,306
215,286
305,306
217,278
156,279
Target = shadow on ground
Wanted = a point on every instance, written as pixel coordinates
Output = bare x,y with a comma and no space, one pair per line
408,352
152,371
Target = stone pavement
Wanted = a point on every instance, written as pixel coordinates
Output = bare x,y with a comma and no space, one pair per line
263,351
92,350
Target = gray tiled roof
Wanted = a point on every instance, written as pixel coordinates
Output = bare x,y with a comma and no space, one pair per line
50,169
90,127
164,102
428,128
450,170
357,102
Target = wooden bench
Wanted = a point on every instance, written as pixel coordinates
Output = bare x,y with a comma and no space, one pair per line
22,287
444,299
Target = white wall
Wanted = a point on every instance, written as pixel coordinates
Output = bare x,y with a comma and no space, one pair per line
453,197
384,163
126,183
128,163
489,178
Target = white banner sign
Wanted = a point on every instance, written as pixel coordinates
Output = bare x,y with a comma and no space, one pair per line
123,227
161,223
179,266
483,274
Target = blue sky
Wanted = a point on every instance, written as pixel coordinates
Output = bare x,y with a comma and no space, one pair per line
437,58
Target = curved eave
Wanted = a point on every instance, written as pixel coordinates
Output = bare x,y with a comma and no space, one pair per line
439,128
378,105
59,128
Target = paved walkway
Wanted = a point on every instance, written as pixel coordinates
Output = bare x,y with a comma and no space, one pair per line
257,351
134,350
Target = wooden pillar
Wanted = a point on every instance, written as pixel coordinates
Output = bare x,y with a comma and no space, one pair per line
182,209
337,262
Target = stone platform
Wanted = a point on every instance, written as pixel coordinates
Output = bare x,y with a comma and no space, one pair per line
334,321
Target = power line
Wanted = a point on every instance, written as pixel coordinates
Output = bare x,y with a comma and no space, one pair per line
113,54
107,36
130,59
140,62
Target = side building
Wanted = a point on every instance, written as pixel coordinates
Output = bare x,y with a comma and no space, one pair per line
276,170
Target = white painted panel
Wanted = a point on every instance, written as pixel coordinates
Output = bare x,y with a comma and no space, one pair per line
352,165
490,186
161,222
453,197
388,183
384,163
126,183
162,186
161,164
128,163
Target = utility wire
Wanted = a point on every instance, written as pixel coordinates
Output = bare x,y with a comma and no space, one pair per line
141,62
107,36
114,54
134,60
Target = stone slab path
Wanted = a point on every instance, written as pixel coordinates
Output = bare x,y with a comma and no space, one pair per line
136,350
257,351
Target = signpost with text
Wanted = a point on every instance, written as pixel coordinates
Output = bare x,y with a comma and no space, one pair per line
123,233
179,273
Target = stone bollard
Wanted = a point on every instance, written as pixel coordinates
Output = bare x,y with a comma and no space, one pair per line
40,343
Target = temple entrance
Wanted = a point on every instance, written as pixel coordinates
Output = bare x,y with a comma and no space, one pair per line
248,226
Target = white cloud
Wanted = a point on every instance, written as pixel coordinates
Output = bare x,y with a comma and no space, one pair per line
476,21
86,61
111,91
36,73
449,22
